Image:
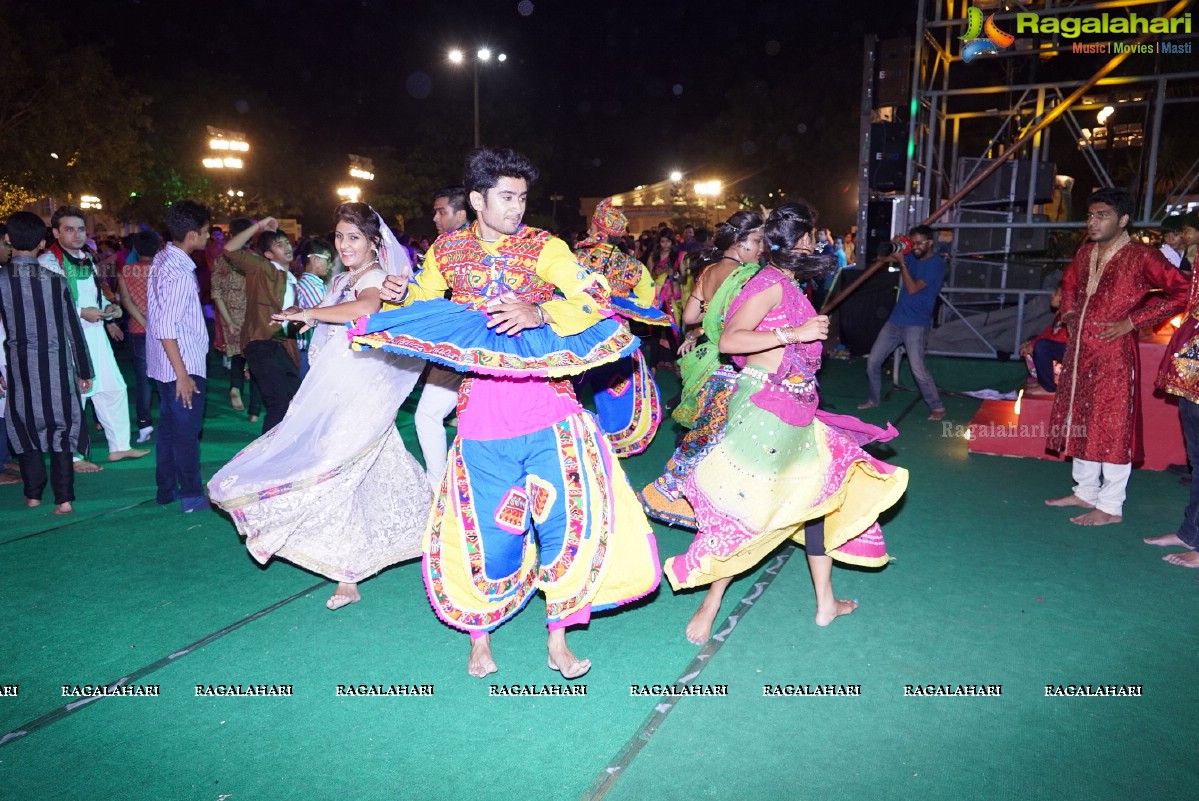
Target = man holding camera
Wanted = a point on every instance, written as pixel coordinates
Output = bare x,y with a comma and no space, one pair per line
921,274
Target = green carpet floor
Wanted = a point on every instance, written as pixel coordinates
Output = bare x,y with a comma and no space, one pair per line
988,586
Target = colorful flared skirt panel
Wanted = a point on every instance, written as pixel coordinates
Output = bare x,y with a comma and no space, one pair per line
627,403
457,337
629,310
663,499
766,478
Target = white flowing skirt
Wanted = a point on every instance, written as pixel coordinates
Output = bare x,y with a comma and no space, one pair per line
332,488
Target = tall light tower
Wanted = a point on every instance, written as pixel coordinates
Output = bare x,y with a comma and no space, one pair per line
483,54
361,169
225,151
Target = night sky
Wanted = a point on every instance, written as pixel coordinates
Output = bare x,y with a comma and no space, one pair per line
604,96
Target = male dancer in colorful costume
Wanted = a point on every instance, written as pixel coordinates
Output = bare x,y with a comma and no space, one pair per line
626,396
527,457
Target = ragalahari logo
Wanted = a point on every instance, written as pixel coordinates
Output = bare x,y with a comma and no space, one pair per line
982,38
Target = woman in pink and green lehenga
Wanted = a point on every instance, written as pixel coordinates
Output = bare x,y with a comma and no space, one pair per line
783,469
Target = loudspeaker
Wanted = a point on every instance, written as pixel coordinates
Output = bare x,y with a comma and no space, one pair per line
879,229
1007,186
888,148
863,314
993,239
975,275
893,81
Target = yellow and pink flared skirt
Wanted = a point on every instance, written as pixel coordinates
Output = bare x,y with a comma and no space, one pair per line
766,478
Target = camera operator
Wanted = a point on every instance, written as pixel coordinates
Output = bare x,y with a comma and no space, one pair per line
921,273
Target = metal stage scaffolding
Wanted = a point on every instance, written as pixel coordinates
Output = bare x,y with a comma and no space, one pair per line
1002,151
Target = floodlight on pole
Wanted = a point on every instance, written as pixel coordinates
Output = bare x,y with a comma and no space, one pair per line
676,176
457,56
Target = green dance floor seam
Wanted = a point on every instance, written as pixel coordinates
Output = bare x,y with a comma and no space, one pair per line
611,773
63,711
75,521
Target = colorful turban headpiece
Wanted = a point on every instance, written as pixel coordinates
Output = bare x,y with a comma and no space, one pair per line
609,220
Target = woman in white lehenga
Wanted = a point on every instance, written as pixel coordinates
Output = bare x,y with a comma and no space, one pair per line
331,488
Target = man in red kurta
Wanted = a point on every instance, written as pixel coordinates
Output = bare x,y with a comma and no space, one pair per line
1105,299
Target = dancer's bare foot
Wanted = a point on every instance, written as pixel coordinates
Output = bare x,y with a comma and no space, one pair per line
481,662
344,595
32,502
84,466
937,414
1165,540
64,508
868,405
132,453
1096,517
8,478
1184,559
563,660
235,400
839,608
699,628
1069,500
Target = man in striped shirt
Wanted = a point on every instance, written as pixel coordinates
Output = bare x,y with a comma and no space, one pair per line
176,355
311,289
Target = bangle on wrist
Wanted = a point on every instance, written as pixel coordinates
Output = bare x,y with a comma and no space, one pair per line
540,315
781,336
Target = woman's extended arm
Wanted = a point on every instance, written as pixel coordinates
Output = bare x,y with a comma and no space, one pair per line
367,302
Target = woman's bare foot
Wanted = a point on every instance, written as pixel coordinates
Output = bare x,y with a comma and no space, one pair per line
64,508
84,466
32,502
1184,559
1069,500
344,595
481,662
563,660
1096,517
1165,540
839,608
235,400
699,628
867,405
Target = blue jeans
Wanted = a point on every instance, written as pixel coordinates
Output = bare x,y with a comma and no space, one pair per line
1188,531
141,393
178,448
1044,353
304,365
913,338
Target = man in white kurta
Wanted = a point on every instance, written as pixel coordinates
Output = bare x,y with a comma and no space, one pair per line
70,258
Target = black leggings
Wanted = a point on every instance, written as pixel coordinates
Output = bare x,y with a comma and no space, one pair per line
237,380
814,537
